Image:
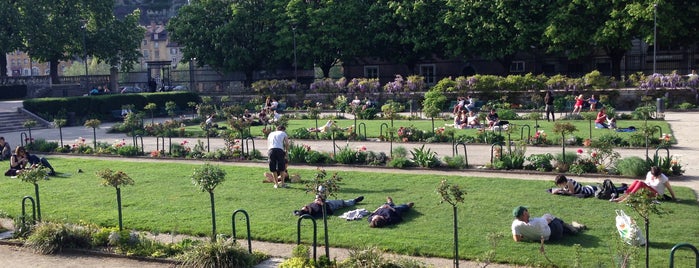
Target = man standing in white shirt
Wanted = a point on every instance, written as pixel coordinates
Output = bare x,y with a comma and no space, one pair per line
278,144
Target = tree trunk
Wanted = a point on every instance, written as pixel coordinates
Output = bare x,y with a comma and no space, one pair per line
615,55
213,217
3,66
118,192
113,79
54,71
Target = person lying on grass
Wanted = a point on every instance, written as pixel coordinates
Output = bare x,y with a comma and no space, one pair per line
572,187
315,208
547,227
325,128
388,214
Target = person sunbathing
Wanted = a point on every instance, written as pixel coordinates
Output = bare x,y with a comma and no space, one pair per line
325,128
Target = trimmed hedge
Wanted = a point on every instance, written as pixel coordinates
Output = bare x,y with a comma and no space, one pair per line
102,105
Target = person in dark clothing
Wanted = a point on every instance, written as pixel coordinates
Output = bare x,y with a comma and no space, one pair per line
548,99
35,160
5,149
315,208
388,214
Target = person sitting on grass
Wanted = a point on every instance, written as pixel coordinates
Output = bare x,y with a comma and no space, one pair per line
601,121
547,227
388,214
5,149
572,187
655,181
315,208
472,120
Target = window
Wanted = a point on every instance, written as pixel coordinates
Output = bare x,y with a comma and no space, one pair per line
371,71
517,67
145,42
428,72
173,51
155,44
155,36
156,54
146,54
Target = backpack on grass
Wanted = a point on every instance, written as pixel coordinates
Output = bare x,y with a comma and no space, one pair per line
606,190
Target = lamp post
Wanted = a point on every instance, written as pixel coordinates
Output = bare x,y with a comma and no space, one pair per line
655,33
84,28
295,67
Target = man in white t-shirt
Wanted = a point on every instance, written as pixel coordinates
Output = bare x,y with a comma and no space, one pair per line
547,227
278,144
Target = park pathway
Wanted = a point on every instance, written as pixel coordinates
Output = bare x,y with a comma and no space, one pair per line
684,127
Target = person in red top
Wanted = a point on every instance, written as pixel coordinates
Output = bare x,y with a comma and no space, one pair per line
601,121
578,104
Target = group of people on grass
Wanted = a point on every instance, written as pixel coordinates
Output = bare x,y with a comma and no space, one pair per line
21,160
580,100
278,144
548,227
469,119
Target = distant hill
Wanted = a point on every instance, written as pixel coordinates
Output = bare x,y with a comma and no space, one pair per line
151,10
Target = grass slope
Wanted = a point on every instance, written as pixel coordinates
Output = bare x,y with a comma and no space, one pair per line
163,199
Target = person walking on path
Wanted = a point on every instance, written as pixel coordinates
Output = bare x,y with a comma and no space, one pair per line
548,99
278,144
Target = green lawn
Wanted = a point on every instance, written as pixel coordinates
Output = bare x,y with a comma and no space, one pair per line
164,200
374,128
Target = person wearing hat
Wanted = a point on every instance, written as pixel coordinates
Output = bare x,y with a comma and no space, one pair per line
546,227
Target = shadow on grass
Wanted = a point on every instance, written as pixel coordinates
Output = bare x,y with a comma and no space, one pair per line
585,240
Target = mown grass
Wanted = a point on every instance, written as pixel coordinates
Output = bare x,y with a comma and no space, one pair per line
163,199
373,128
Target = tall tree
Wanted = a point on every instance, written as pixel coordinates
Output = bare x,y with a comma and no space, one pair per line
406,32
578,27
115,41
495,30
327,32
51,30
9,32
227,35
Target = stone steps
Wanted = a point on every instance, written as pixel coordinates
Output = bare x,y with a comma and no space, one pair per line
13,121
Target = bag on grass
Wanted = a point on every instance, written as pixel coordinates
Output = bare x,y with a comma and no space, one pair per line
606,190
628,230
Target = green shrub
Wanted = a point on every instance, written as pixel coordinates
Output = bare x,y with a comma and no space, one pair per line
571,157
219,253
301,134
400,162
315,157
686,106
400,151
424,157
298,153
539,162
507,114
633,166
612,139
367,114
50,238
128,150
41,145
456,162
347,156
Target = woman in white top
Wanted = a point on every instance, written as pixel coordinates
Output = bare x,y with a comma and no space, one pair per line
655,181
472,120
